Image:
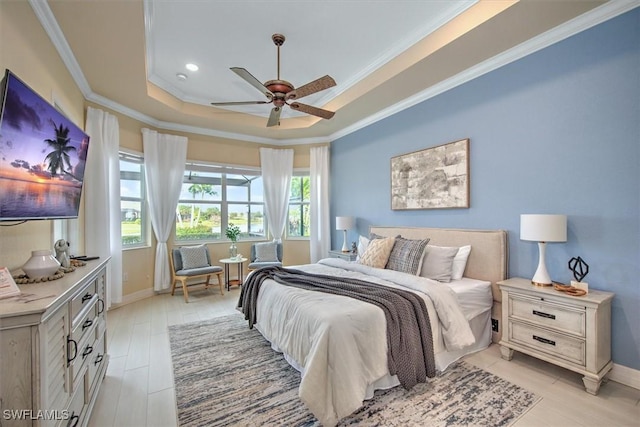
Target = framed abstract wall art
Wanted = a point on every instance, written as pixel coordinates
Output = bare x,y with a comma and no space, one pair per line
433,178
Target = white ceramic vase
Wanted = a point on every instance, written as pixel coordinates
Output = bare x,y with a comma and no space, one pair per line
41,264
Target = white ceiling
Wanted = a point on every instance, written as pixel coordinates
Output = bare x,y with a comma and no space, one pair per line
347,40
385,55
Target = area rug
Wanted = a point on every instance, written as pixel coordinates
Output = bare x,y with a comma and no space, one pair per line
227,375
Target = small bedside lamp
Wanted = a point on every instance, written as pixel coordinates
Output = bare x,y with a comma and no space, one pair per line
542,229
345,223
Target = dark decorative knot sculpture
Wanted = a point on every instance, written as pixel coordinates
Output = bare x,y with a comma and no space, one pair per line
579,268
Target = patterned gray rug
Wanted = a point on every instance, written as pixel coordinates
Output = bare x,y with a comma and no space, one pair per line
227,375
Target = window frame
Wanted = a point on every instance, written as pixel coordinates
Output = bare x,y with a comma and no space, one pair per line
145,223
224,170
304,173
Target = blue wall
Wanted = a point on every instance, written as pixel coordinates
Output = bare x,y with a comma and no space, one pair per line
555,132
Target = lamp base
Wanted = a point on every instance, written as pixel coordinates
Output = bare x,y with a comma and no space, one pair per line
540,284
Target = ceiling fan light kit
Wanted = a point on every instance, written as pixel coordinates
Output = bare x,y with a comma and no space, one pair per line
279,92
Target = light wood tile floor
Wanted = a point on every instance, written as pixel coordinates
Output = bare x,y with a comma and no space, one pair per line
138,388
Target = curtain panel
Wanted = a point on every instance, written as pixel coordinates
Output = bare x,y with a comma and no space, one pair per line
277,168
320,242
102,235
165,157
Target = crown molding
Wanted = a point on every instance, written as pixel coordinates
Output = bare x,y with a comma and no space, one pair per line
51,27
576,25
583,22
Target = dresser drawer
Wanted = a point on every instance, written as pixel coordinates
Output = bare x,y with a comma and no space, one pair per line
82,324
79,355
559,317
95,362
82,299
558,345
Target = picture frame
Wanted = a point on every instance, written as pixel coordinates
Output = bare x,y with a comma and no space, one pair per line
432,178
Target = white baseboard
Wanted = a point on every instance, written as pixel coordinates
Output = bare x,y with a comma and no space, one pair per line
627,376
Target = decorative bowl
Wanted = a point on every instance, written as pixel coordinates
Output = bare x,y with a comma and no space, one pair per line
41,264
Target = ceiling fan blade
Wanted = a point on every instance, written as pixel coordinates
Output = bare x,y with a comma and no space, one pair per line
325,114
241,103
274,117
315,86
248,77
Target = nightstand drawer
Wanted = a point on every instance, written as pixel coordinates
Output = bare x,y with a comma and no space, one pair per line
549,314
558,345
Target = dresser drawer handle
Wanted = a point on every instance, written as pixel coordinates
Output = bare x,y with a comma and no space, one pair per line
87,351
71,343
543,314
73,419
99,358
544,340
86,297
86,324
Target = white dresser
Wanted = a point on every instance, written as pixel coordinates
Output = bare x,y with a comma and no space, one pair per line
572,332
53,349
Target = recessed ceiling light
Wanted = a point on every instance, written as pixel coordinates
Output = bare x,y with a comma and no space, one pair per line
181,76
192,67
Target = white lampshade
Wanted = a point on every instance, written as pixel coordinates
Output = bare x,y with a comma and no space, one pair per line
345,222
543,229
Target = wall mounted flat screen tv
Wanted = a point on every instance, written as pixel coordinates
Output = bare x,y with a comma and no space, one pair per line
42,156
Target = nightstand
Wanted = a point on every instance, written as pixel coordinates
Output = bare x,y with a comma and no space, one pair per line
571,332
348,256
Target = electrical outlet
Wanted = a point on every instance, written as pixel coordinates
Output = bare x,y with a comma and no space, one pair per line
494,325
125,277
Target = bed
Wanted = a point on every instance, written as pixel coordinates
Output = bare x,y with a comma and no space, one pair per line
339,344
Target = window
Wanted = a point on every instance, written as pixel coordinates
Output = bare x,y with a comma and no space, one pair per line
132,201
212,197
299,208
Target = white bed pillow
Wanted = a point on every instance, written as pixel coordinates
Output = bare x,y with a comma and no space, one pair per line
460,262
363,242
377,252
438,263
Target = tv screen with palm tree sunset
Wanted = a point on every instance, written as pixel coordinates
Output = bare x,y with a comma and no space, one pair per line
42,157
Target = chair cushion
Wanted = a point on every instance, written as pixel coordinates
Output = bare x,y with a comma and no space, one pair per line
194,257
199,271
257,265
266,252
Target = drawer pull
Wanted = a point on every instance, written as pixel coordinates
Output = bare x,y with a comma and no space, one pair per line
544,340
73,420
99,358
545,315
101,306
87,351
86,297
71,343
86,324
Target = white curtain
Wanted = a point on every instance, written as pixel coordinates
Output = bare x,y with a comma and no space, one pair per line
320,225
164,162
277,168
102,234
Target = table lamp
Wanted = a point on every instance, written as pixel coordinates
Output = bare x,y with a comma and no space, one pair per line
345,223
543,229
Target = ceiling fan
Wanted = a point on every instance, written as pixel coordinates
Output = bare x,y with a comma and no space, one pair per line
281,92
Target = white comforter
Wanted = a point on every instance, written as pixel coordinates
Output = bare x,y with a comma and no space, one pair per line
339,343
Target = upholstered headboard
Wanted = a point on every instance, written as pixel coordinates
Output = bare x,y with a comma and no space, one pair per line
488,260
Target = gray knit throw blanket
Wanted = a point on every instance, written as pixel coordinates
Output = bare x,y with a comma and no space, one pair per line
410,352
